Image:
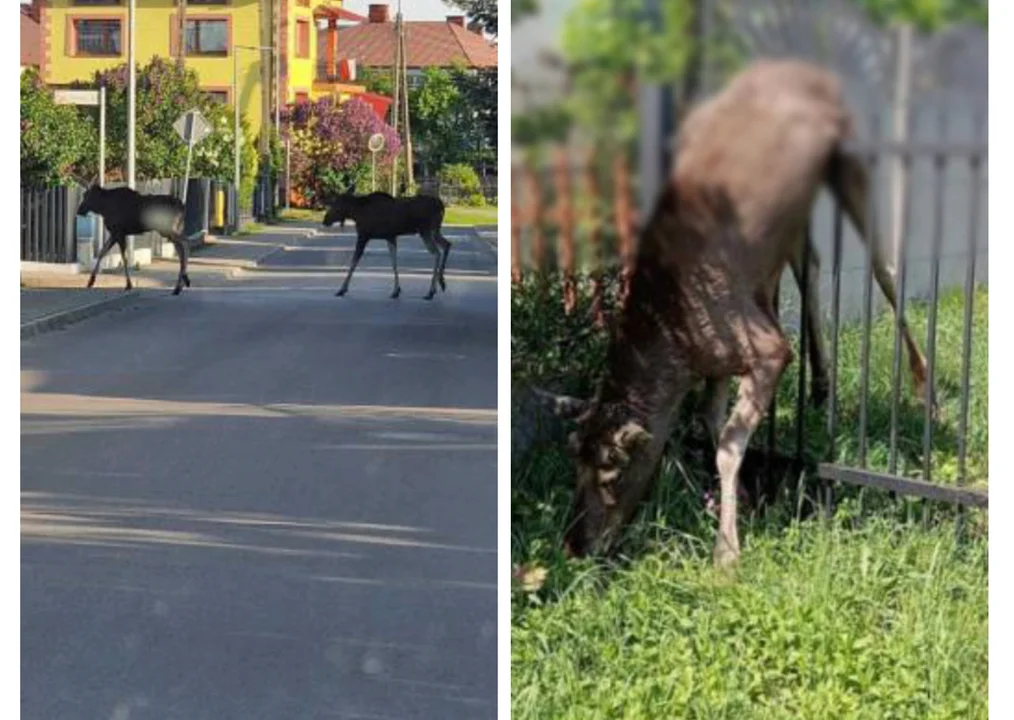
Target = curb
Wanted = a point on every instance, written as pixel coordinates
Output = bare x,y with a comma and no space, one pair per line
63,318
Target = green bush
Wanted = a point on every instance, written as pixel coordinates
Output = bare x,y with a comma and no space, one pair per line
460,183
56,140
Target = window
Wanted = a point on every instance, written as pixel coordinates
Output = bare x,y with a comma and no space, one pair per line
302,38
97,38
208,37
218,96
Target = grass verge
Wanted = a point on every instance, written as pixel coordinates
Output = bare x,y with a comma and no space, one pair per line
455,215
880,611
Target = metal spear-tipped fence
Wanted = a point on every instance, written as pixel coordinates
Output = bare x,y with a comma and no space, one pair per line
573,218
578,219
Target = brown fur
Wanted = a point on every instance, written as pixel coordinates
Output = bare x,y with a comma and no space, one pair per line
749,164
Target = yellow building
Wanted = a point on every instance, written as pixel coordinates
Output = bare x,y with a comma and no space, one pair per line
80,37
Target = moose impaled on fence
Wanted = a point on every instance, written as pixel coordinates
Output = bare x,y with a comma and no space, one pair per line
127,212
749,164
382,216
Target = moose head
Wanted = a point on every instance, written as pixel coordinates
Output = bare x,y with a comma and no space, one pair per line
611,451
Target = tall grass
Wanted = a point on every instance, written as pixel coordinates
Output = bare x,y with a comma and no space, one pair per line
877,612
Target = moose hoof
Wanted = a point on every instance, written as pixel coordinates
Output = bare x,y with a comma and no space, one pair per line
91,282
186,280
443,285
341,293
429,295
177,290
396,293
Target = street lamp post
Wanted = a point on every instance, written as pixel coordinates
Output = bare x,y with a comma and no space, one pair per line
131,116
235,105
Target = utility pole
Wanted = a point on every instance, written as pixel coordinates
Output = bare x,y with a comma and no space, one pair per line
397,95
409,171
131,113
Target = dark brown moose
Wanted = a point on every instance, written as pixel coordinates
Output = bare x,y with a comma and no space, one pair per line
749,164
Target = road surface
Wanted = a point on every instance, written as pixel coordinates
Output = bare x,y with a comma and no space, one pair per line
257,500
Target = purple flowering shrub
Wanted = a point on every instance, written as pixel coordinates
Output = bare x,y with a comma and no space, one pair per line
329,146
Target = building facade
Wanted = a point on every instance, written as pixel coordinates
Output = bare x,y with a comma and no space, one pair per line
80,37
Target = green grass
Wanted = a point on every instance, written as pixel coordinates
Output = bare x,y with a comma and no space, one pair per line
878,612
455,215
461,215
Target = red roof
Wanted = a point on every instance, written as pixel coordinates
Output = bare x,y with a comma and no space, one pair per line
31,39
427,44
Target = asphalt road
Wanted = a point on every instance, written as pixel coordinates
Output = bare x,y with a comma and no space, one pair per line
257,500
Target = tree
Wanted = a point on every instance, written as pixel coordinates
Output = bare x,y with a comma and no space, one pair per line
927,15
329,145
608,46
379,80
483,12
55,139
479,94
164,91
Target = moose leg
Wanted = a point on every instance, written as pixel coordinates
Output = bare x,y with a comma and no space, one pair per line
360,246
850,184
432,247
121,240
392,247
181,251
106,247
772,354
445,245
714,406
820,382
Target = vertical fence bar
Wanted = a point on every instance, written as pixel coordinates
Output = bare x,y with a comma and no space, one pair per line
51,225
966,339
901,253
25,224
594,239
832,414
516,271
873,235
565,220
40,219
940,164
804,340
773,406
535,221
624,219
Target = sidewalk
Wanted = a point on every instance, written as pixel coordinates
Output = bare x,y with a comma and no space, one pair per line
50,300
48,309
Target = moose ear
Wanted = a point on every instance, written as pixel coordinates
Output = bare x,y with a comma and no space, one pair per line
630,437
563,406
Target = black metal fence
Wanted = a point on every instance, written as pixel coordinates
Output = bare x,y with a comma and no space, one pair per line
456,194
50,230
943,156
47,224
